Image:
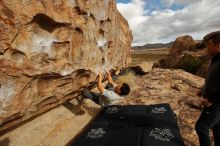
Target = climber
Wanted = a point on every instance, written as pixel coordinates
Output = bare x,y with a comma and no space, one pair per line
108,94
210,116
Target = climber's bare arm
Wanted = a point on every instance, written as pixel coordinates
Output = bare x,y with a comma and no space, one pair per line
100,85
110,80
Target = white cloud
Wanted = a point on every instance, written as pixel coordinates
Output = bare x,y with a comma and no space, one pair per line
197,18
134,12
182,2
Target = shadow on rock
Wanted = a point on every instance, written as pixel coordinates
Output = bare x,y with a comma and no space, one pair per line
5,142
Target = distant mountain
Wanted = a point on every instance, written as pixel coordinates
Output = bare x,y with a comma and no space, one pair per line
154,46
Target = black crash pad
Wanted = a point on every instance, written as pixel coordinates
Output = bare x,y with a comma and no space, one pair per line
161,136
133,125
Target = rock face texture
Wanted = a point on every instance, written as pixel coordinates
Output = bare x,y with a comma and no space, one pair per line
51,49
176,87
54,128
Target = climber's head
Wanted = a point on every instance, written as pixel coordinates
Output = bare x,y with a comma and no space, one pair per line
122,89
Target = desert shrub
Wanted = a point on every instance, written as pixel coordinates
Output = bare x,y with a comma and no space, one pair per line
203,69
190,64
163,63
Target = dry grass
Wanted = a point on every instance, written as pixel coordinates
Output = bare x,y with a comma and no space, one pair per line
128,78
138,56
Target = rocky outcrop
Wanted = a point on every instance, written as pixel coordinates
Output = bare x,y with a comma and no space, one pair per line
180,48
176,87
186,54
52,49
182,44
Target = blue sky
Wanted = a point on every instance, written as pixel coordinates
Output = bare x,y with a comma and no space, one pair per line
153,21
152,5
122,1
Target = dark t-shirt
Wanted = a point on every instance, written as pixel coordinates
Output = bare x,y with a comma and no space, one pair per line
211,89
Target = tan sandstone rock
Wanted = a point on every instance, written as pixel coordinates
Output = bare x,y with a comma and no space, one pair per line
144,67
187,54
52,49
180,48
181,44
55,128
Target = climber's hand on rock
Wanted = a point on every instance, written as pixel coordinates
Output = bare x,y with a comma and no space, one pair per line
100,73
108,72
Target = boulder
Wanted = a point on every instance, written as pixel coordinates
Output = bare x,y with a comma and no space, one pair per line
186,54
50,50
142,68
180,48
146,66
182,44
